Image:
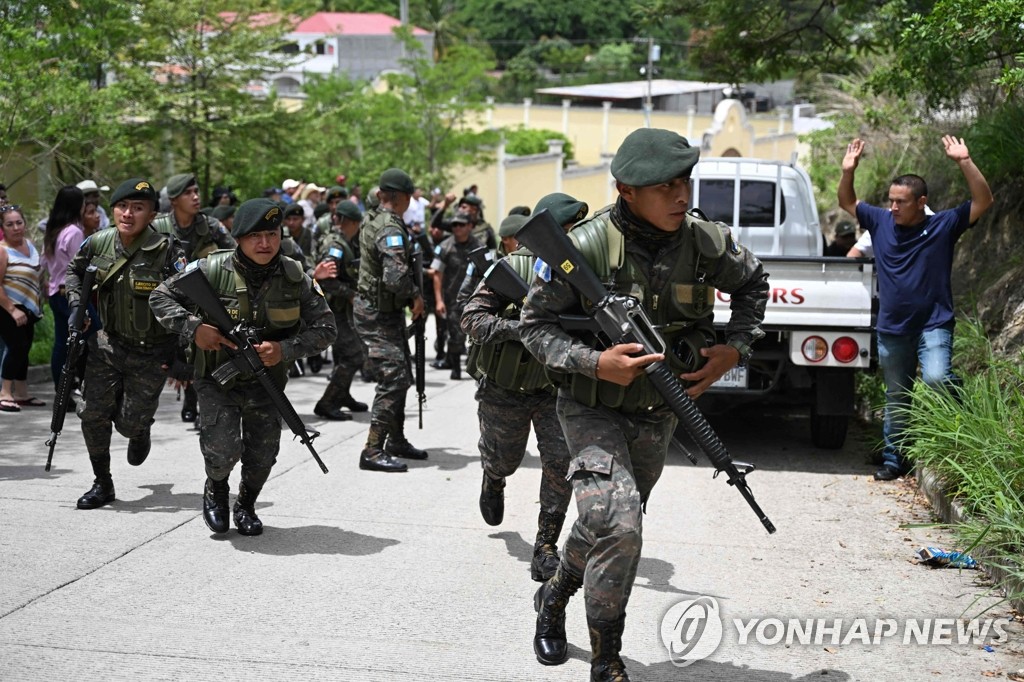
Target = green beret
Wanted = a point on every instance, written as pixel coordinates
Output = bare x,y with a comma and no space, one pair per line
651,156
222,213
293,209
256,215
320,209
336,192
510,225
179,183
348,209
563,208
472,200
396,180
136,188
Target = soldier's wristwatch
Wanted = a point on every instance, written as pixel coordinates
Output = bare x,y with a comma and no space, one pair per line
744,350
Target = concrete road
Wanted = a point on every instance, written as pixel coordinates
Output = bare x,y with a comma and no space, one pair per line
370,576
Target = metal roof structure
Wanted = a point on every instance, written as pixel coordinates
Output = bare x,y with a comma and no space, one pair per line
629,90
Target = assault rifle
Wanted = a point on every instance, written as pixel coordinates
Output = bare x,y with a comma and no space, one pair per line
622,319
418,330
76,342
193,283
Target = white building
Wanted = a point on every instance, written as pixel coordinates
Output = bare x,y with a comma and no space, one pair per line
361,45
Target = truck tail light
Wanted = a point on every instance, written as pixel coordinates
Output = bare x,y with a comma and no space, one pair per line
814,348
845,349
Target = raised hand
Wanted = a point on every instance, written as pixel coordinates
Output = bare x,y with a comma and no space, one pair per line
955,148
853,154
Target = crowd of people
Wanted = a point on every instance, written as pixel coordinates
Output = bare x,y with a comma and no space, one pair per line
306,267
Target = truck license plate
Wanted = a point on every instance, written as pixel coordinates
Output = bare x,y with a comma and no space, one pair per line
734,378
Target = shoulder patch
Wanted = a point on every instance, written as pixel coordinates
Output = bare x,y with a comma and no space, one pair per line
470,269
541,269
335,252
394,240
317,289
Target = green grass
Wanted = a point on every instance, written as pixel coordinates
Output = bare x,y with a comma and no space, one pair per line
972,439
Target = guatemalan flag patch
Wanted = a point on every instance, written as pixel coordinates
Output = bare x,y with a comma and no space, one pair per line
394,240
541,269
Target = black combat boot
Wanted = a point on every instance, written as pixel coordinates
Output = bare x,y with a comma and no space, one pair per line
353,404
138,449
492,500
246,520
101,493
545,549
215,505
455,361
330,413
605,644
397,445
549,642
375,459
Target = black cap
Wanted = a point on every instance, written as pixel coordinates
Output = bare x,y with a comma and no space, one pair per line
348,209
256,215
135,188
293,209
397,180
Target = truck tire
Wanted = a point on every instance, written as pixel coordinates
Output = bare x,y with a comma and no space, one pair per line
828,431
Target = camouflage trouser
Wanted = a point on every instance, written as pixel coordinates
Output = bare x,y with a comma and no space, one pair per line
240,423
617,460
348,358
387,346
453,321
505,418
121,390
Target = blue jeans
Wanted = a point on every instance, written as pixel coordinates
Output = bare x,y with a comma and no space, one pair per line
898,356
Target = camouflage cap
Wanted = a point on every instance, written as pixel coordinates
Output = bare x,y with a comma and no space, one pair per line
650,156
348,209
510,225
256,215
293,209
394,179
222,213
563,208
177,184
461,218
135,188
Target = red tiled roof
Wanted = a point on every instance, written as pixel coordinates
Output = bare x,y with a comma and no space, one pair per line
351,23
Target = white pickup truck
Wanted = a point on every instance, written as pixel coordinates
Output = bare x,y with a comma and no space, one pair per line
820,316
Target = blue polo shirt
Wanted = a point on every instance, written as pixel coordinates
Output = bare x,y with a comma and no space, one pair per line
914,266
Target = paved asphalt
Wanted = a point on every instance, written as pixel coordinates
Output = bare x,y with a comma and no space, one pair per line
370,576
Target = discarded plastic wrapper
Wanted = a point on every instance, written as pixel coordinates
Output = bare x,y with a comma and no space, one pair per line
934,556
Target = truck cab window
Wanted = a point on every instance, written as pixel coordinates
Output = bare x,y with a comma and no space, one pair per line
757,202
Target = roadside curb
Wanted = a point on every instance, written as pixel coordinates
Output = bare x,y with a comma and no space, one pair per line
952,511
39,374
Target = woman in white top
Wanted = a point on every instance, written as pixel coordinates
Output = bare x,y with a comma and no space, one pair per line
20,277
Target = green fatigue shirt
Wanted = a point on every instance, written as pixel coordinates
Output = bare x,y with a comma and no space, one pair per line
386,280
205,235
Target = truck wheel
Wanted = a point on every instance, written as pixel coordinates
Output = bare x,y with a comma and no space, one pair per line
315,363
828,431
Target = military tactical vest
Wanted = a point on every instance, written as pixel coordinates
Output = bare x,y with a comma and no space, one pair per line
125,282
371,269
682,309
277,316
335,246
201,243
507,363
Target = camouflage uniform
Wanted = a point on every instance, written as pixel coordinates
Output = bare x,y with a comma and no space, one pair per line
238,421
619,451
451,259
512,393
128,357
386,287
205,235
340,291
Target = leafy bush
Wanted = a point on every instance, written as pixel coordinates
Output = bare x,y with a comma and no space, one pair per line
524,141
971,437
